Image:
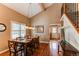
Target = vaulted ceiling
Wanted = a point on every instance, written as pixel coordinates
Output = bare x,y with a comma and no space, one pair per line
28,9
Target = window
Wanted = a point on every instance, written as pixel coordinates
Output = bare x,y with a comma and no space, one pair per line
17,30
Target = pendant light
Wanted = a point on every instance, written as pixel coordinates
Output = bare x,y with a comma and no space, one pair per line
29,14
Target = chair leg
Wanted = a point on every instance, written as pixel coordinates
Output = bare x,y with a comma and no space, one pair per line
21,53
15,54
10,53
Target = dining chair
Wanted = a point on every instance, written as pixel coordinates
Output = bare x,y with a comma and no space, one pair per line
29,49
31,46
37,42
15,48
34,44
19,47
11,45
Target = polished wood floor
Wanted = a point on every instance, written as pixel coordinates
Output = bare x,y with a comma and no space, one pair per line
45,49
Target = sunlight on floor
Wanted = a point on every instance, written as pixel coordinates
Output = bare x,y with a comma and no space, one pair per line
54,47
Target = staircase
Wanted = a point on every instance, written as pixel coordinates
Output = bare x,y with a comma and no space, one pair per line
71,10
71,36
70,19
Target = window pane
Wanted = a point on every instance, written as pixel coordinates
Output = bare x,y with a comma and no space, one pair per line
23,33
15,26
15,34
23,27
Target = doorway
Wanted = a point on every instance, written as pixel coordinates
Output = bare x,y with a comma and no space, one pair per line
55,32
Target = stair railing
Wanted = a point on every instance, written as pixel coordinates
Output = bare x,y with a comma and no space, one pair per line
71,9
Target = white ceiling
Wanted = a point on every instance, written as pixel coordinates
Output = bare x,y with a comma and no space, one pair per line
28,9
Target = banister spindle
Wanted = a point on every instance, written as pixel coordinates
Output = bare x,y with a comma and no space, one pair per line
77,14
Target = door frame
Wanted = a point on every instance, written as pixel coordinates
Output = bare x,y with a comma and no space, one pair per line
50,30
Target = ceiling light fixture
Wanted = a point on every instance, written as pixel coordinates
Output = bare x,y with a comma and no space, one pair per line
29,14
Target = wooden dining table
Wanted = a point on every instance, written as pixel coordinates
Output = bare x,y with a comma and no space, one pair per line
24,42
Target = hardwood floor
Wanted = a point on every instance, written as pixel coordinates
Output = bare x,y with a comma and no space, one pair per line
45,49
5,54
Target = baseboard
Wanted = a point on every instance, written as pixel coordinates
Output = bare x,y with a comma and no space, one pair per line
4,51
43,42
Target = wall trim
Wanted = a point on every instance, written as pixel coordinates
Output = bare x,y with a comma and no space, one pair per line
44,42
3,51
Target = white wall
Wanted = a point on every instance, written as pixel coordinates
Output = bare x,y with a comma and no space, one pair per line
51,16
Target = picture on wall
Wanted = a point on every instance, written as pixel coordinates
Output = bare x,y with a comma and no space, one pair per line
39,29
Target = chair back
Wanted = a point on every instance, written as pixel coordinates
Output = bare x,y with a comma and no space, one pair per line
11,45
15,47
38,39
35,42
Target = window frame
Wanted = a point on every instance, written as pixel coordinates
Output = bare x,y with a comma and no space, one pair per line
17,30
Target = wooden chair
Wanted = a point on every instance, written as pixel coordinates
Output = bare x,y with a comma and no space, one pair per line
20,47
15,48
37,42
32,46
11,46
29,49
34,43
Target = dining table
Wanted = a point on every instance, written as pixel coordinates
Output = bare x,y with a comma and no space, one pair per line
24,42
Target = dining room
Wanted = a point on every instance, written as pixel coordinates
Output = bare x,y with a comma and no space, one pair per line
25,29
